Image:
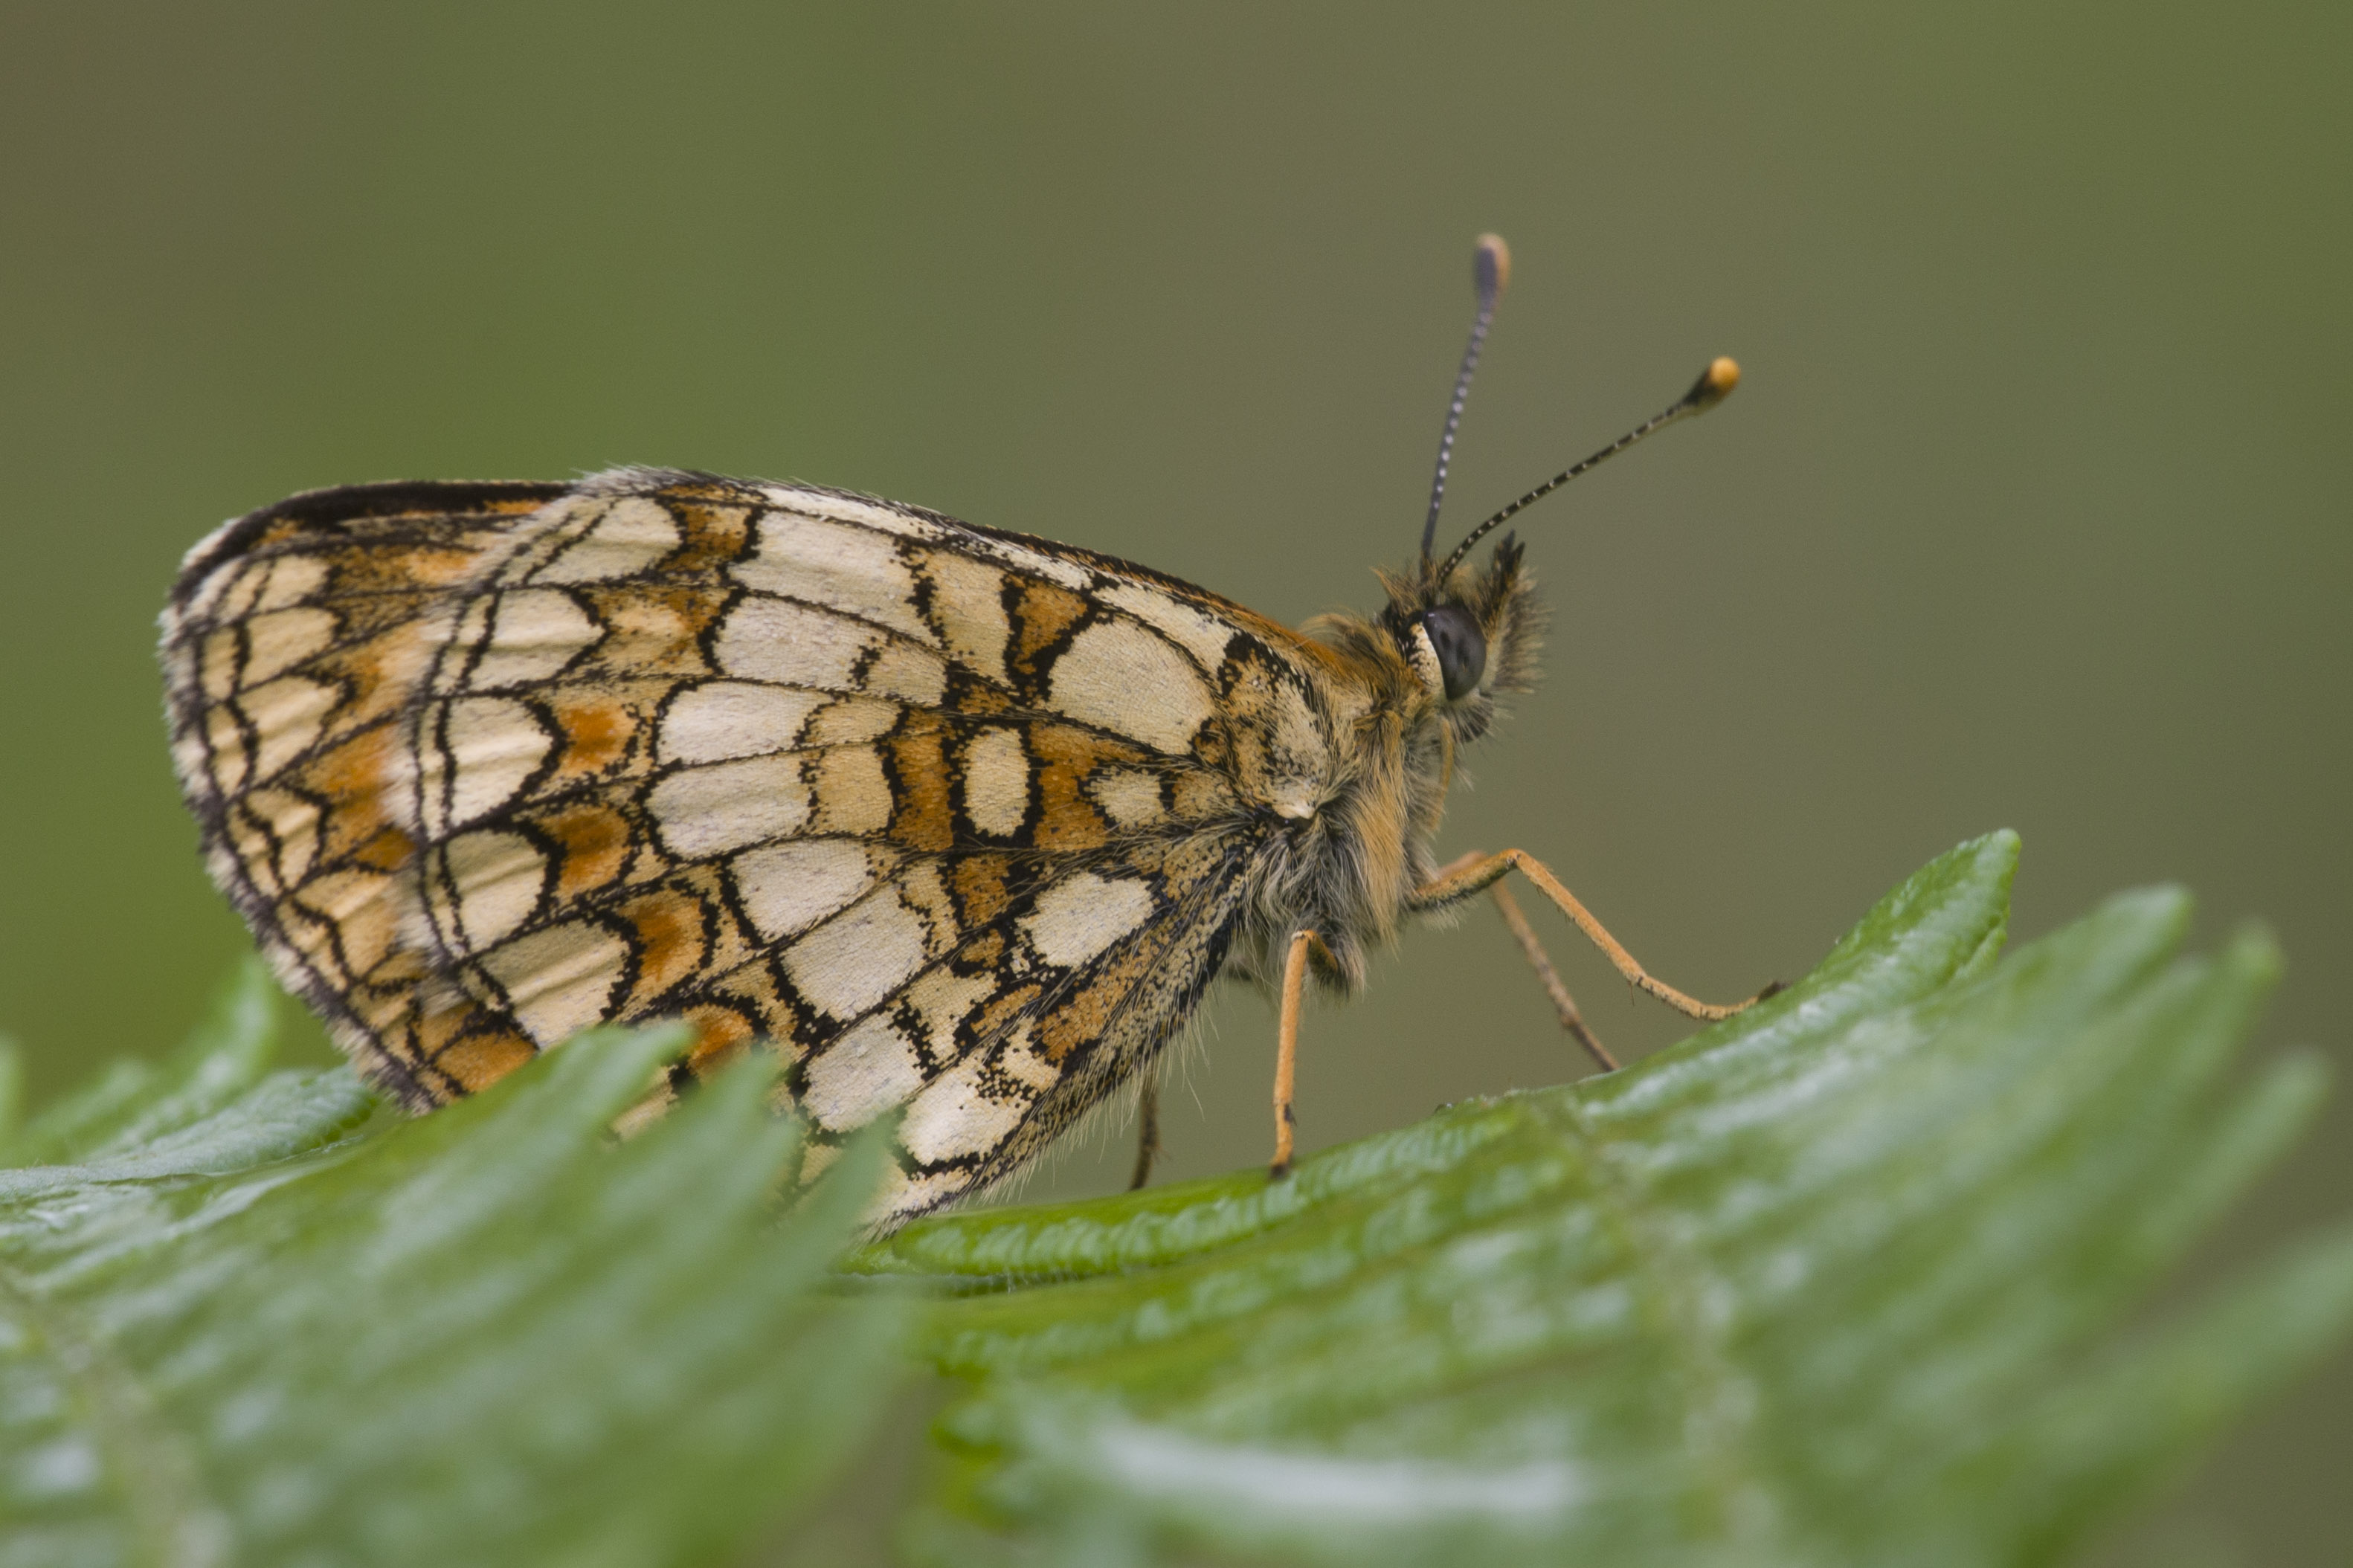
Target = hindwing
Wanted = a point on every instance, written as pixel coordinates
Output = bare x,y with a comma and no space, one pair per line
961,821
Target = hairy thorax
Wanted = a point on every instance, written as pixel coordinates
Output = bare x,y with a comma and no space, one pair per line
1346,773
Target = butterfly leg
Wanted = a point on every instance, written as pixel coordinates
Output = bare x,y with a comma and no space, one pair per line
1474,874
1538,959
1541,962
1286,1043
1147,1126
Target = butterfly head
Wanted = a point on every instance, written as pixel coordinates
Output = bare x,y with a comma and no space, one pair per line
1467,636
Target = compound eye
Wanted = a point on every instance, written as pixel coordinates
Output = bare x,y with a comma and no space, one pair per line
1461,648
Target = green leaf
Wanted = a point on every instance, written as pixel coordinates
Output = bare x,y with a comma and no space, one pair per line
232,1330
1848,1278
1853,1278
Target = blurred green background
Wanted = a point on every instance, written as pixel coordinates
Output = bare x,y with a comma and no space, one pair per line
2030,511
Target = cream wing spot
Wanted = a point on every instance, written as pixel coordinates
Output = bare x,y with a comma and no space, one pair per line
968,603
862,1075
1129,796
633,533
955,1115
489,747
534,633
787,644
288,715
1119,676
280,639
857,959
496,880
837,564
710,810
559,981
787,887
719,721
1080,916
996,782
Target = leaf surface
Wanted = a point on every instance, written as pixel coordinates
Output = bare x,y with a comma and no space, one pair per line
1846,1279
233,1332
1854,1277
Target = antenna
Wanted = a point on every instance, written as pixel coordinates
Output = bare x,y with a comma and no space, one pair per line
1491,272
1713,386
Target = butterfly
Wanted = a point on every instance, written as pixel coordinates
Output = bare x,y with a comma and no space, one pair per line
960,822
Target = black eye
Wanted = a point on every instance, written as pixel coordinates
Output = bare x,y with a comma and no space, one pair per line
1461,650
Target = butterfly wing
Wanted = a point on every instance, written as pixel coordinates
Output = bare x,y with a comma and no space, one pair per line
957,819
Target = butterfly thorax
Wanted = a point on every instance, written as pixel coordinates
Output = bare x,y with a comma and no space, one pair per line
1357,819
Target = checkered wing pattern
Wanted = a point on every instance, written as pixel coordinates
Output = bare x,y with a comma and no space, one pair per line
961,821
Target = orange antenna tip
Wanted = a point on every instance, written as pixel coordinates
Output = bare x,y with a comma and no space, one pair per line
1716,382
1491,265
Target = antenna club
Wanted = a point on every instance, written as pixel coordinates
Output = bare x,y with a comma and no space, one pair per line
1715,383
1491,265
1713,386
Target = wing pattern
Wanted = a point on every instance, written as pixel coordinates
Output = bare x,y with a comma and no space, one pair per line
962,822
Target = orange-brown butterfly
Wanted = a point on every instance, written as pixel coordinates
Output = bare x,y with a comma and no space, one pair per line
961,823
